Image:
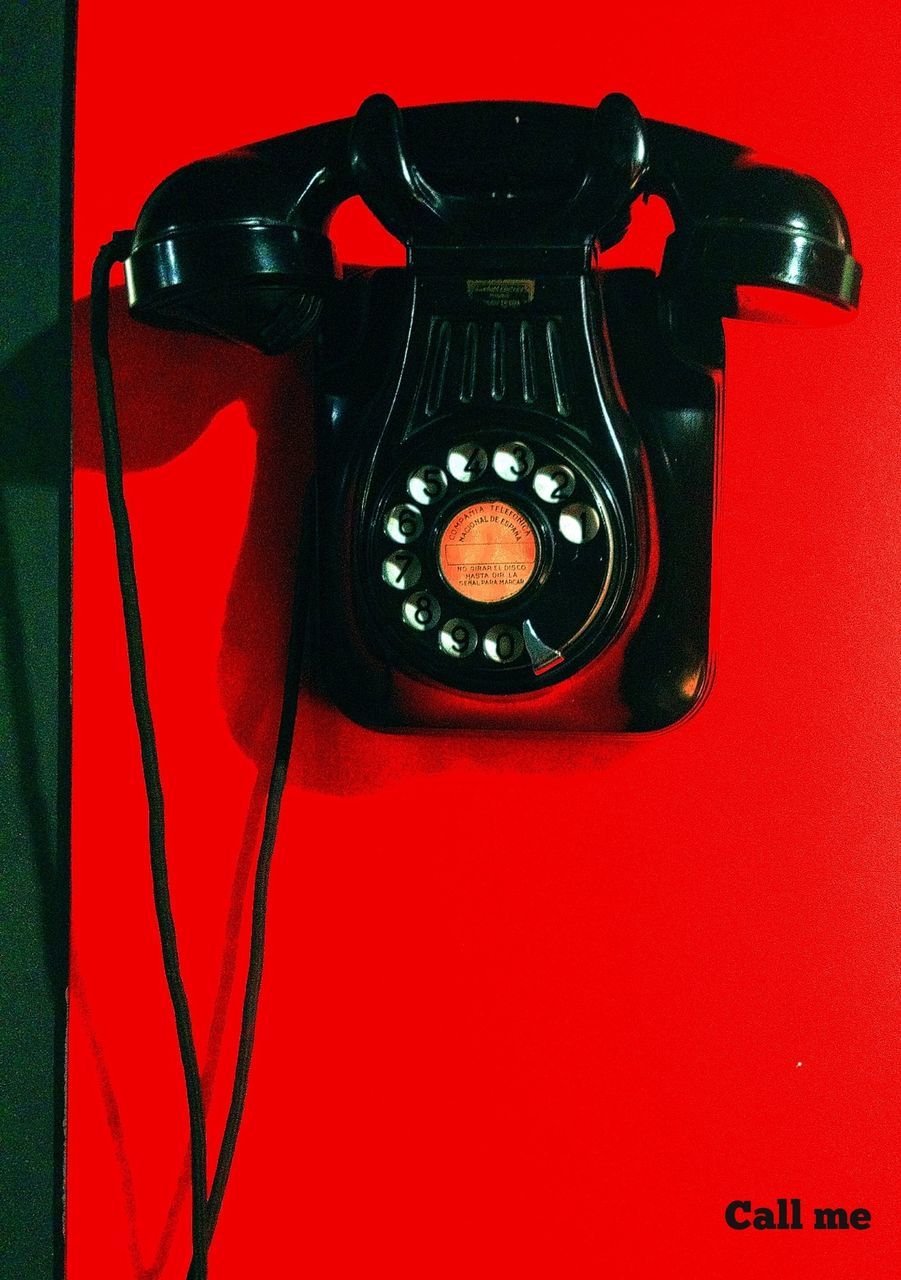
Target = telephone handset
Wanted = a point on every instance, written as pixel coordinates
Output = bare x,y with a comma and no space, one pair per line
515,451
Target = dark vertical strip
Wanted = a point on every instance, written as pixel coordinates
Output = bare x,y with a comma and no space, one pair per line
498,363
68,17
36,92
555,356
440,352
527,361
468,376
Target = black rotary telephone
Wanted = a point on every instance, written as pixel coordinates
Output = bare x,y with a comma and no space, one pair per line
515,451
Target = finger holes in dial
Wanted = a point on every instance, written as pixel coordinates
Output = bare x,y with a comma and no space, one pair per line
554,483
401,570
467,462
403,523
579,523
427,485
458,638
421,611
513,461
502,644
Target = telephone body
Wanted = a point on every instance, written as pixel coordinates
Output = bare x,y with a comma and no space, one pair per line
515,467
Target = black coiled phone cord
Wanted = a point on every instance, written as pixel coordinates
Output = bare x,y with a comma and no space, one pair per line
204,1210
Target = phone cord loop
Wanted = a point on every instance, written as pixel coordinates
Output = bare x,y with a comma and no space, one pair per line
116,251
205,1211
294,666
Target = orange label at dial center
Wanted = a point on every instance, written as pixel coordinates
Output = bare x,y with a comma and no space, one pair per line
488,551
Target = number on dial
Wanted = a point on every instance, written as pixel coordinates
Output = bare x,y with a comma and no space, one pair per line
458,638
428,484
554,483
513,461
579,523
402,570
466,462
403,523
503,644
421,611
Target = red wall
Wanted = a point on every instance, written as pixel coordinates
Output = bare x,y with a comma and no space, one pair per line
534,1006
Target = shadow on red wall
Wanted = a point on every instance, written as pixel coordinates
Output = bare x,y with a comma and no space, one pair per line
170,386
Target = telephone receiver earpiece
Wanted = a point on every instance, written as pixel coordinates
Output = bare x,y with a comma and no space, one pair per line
740,223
